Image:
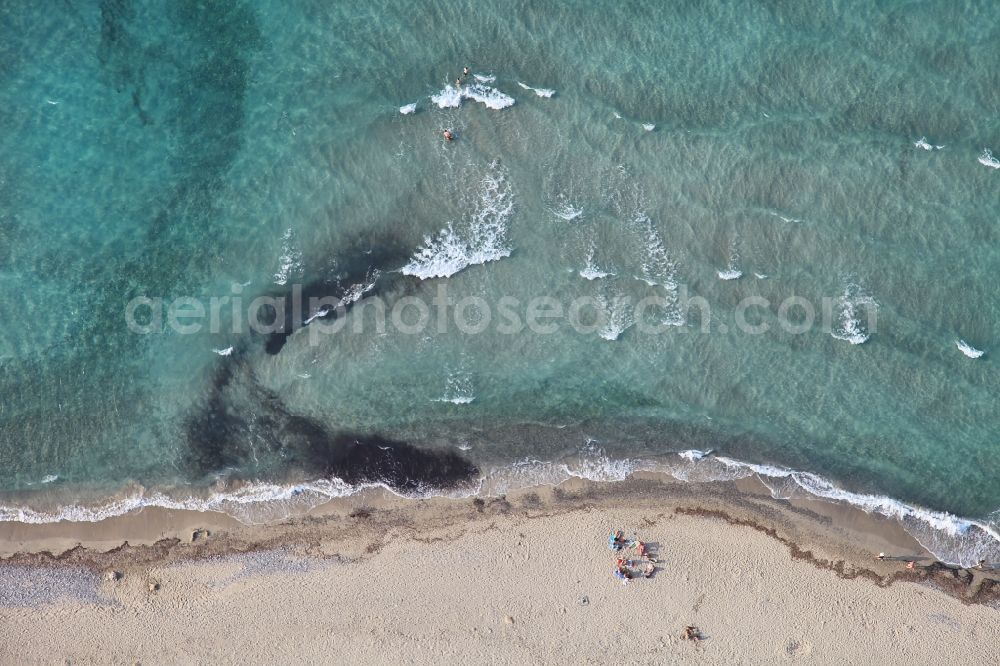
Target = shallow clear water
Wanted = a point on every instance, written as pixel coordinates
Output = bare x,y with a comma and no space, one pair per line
183,149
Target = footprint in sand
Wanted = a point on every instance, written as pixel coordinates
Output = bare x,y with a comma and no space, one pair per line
797,648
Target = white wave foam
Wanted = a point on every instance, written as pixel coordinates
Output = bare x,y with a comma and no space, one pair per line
590,463
649,127
458,389
922,144
485,78
479,239
567,211
968,349
290,263
224,352
591,271
731,272
444,255
616,115
760,276
252,503
849,326
408,109
694,454
657,268
355,292
541,92
228,502
785,219
491,98
617,316
451,97
50,478
352,294
987,159
951,539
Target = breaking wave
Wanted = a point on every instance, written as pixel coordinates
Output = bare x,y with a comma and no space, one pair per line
591,271
657,268
478,239
541,92
968,349
617,315
567,211
849,325
458,389
987,159
451,97
923,145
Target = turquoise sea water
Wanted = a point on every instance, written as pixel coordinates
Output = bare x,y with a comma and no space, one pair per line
718,151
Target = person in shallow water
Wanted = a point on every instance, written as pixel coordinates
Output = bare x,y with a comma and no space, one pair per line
465,71
448,136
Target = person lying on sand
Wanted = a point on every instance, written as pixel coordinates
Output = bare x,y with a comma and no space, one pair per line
616,540
643,551
649,569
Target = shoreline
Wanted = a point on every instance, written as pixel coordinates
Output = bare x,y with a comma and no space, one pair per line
950,538
838,537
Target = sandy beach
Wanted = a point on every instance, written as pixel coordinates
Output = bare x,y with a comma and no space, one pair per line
522,579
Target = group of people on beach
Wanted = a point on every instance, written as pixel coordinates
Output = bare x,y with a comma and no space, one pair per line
643,562
626,568
448,134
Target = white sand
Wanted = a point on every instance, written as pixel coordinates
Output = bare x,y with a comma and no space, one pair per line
441,594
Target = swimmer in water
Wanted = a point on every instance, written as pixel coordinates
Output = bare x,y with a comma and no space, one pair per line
465,71
448,136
